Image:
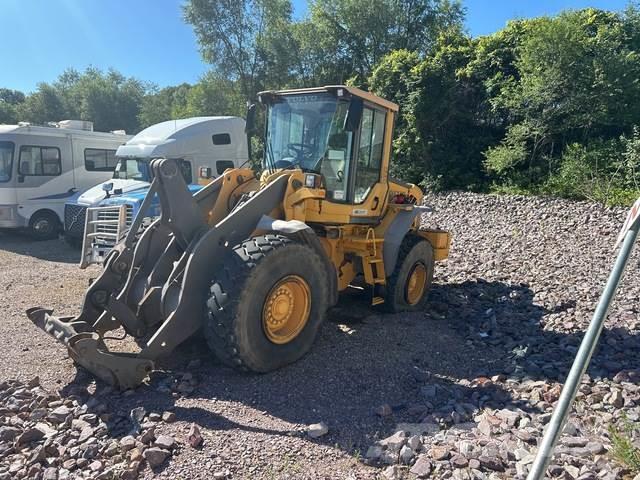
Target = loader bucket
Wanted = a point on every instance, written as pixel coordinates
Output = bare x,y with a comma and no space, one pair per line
87,349
155,284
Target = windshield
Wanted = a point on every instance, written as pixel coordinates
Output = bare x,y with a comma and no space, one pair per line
304,130
132,169
6,161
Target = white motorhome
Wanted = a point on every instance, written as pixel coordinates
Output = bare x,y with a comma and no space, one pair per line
43,166
204,146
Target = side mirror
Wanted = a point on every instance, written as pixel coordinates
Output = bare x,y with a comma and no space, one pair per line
106,188
250,125
352,120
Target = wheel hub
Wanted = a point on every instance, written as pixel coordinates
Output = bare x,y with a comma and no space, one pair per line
416,284
42,226
286,309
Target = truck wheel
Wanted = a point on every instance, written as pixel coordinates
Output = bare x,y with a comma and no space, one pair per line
266,304
44,226
408,286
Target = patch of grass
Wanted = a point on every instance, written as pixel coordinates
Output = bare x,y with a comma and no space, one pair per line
623,449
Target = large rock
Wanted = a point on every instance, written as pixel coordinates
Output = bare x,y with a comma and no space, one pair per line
406,454
374,452
422,467
491,463
127,443
394,442
29,435
155,456
439,452
164,441
59,414
8,434
317,430
392,473
193,437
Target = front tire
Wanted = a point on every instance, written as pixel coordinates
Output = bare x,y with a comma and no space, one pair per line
408,286
44,226
266,304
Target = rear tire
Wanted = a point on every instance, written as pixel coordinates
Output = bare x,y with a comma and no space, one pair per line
44,226
408,286
266,304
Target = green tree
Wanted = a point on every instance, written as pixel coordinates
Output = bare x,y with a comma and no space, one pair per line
42,106
345,39
248,42
10,101
576,82
214,95
164,104
443,125
110,100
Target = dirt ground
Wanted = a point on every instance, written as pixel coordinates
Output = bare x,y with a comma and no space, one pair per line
253,425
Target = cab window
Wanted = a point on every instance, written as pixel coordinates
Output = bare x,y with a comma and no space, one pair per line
99,160
185,168
369,153
39,161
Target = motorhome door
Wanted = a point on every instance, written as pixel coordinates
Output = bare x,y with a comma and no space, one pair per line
44,177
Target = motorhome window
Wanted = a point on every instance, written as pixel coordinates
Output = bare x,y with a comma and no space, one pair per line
6,160
221,139
222,165
99,160
132,169
39,161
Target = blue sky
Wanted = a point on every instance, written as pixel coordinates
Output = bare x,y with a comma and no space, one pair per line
147,38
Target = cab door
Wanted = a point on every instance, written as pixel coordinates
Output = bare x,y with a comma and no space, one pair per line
369,154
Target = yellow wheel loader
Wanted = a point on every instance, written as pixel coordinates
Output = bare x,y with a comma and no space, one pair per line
254,262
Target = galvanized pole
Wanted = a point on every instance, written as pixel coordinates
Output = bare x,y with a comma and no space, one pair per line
583,357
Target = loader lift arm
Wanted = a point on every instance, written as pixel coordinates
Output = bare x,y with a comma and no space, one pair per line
179,242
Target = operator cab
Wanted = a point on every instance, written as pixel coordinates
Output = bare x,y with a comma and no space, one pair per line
337,132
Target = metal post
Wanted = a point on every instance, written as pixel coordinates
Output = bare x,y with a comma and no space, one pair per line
583,357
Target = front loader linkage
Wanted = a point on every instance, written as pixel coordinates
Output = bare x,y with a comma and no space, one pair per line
159,282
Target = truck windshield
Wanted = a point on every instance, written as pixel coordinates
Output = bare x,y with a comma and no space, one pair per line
132,169
6,161
306,131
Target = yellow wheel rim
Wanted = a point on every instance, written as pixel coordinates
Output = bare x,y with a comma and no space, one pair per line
286,309
416,284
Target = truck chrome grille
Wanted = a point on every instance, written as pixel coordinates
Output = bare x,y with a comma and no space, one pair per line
107,227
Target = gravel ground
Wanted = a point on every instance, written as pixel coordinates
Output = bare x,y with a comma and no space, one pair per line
462,390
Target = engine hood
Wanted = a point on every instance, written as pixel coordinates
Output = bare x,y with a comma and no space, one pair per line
95,195
135,197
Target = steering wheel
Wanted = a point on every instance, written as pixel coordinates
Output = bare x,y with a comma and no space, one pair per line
300,149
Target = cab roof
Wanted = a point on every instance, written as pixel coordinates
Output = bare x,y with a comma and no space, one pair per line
370,97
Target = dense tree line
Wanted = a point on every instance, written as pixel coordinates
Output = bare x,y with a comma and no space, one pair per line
545,105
